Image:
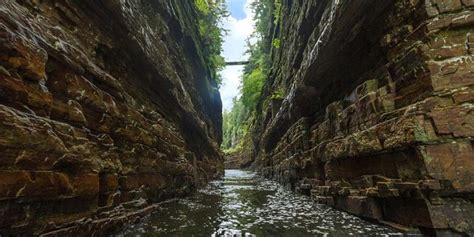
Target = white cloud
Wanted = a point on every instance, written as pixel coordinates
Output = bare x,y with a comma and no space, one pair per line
234,50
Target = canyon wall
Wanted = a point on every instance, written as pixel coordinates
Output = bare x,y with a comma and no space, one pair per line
378,114
105,107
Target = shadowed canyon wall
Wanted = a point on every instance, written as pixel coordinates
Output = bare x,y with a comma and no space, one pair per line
378,114
105,107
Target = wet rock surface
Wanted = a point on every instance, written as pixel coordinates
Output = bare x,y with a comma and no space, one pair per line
105,108
237,160
377,118
245,205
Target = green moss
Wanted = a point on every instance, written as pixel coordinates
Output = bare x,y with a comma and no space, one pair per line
202,6
277,11
278,94
425,155
276,43
371,85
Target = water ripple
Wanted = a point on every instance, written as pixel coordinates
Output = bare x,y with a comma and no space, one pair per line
245,205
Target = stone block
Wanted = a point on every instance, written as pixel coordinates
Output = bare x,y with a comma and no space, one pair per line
451,162
330,201
451,75
448,5
453,213
324,190
18,93
446,53
431,10
86,185
31,184
344,192
385,101
408,189
459,123
430,184
387,189
452,21
24,56
464,96
360,205
462,20
468,3
108,183
365,88
363,182
406,211
385,185
366,107
131,182
371,192
333,110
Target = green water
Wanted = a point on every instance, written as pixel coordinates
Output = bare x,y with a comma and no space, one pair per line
244,205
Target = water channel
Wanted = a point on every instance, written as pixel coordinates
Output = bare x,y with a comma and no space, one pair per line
243,204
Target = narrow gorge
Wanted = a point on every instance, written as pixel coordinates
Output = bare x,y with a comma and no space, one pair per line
110,110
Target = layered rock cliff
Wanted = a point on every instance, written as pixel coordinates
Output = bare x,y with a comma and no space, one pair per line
105,107
378,114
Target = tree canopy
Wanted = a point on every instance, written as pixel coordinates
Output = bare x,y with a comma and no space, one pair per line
211,13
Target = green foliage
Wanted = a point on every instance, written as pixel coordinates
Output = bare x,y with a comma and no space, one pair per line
237,122
278,94
210,15
276,43
202,6
277,11
234,125
234,149
264,10
252,85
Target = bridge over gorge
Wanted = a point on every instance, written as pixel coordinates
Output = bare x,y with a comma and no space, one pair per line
236,63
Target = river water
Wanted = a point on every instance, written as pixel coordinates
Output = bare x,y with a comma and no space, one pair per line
244,205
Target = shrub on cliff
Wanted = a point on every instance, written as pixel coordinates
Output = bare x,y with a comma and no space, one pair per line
211,14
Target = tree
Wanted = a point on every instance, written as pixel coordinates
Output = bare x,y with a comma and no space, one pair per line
210,14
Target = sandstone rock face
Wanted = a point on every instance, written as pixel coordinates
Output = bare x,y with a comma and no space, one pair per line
238,160
378,118
105,107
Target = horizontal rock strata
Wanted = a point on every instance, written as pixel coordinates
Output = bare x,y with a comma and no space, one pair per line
379,116
105,108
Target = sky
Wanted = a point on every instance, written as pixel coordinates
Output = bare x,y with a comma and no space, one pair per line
240,26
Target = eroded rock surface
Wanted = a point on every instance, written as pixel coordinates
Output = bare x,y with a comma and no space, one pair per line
105,107
378,118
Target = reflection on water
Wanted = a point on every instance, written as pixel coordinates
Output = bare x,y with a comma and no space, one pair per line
245,205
